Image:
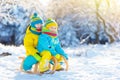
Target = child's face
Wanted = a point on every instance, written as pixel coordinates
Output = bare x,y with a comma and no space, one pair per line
38,27
53,29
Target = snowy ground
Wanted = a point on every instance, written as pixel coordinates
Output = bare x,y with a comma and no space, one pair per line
93,62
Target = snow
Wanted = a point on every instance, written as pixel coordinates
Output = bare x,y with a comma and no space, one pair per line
77,25
86,62
76,21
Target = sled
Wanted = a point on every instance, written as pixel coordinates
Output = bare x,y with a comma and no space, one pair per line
66,62
36,70
55,65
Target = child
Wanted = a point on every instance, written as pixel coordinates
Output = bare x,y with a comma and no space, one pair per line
48,45
30,42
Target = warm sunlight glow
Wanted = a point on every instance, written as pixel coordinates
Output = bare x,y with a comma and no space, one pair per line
44,2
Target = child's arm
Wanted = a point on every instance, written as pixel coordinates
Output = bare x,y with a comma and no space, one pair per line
59,50
28,44
45,45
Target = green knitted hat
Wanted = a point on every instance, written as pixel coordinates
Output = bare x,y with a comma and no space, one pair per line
50,22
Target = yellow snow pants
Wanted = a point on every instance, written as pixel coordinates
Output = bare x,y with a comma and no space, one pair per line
46,57
44,62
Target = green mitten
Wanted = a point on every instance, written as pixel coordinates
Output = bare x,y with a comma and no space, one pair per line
37,56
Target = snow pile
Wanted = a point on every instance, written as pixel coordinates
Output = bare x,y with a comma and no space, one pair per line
87,62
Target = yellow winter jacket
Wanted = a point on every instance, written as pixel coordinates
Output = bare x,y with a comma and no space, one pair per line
30,42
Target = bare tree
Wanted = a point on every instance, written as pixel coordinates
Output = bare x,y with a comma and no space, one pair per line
108,28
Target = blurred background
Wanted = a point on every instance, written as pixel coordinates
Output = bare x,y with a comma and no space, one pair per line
80,21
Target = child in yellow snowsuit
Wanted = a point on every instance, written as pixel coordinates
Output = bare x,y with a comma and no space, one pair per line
49,45
31,41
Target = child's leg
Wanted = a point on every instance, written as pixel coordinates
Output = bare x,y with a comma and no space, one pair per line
29,61
46,56
60,60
